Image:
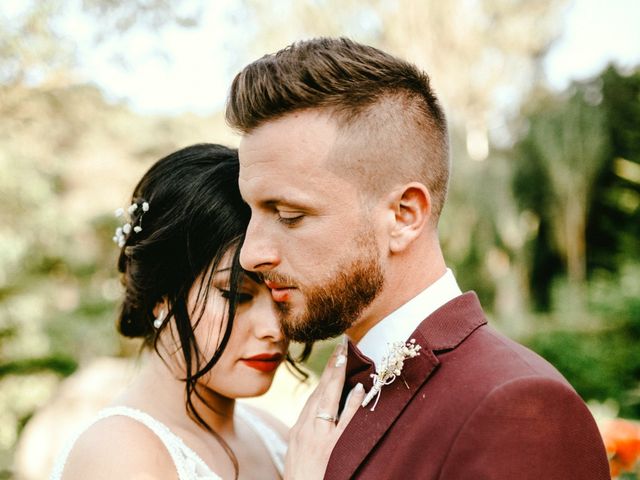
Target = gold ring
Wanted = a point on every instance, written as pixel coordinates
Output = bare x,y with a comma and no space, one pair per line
327,417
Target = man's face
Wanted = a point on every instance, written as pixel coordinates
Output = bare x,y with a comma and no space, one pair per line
308,235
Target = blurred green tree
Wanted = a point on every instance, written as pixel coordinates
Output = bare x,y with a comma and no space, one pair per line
614,221
577,169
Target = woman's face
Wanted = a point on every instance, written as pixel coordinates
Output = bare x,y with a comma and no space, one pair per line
256,346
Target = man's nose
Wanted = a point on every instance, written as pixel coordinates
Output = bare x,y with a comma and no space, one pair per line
258,252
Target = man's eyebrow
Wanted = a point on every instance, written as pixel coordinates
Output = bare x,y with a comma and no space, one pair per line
300,203
278,201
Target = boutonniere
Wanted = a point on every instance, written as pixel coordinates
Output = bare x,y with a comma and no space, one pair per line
390,368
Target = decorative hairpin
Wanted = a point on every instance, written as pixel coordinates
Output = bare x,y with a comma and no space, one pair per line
122,233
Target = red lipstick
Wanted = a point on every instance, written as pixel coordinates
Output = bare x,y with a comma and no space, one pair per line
264,362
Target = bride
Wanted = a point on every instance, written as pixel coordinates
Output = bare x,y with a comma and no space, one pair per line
212,336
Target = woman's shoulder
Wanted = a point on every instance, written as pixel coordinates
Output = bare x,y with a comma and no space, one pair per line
116,447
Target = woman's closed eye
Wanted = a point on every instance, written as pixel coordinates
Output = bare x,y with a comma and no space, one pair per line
242,297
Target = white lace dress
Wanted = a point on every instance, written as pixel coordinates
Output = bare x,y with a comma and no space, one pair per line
189,465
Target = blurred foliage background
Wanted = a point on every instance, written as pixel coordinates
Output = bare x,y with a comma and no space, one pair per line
543,217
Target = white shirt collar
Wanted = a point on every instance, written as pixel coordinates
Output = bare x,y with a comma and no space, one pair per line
402,322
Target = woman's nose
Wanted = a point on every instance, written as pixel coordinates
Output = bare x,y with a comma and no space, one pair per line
266,321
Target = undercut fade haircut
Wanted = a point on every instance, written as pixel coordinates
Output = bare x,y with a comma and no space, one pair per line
392,129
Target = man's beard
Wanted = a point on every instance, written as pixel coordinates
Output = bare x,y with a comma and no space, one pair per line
335,306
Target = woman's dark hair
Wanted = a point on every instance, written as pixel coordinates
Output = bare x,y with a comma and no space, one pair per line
195,216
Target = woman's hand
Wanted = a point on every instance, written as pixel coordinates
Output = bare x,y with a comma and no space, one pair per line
318,428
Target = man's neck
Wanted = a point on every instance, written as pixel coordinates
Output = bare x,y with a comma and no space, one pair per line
397,291
402,322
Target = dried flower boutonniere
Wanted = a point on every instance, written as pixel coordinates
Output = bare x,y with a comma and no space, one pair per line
390,368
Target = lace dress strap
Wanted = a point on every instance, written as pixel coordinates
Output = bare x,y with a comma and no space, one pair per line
275,444
189,466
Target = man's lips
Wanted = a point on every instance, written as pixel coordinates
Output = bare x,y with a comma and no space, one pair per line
279,292
264,362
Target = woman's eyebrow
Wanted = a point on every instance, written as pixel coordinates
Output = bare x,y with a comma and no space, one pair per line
256,277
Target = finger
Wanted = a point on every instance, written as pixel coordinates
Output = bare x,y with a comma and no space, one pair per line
336,358
354,400
332,384
333,372
316,398
310,407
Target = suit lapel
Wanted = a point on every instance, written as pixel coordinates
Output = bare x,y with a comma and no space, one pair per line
367,427
444,329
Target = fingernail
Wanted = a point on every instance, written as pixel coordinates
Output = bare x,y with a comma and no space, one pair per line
341,360
358,388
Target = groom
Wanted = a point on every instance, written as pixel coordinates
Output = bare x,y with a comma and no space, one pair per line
345,164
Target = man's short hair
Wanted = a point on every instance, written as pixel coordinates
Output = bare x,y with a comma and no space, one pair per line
392,127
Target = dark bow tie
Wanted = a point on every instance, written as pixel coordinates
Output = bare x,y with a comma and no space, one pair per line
359,369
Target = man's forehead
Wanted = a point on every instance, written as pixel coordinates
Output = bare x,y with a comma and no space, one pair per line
293,130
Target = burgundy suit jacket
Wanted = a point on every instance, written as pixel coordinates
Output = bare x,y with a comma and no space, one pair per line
477,406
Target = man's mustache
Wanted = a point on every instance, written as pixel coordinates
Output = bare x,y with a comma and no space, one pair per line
279,278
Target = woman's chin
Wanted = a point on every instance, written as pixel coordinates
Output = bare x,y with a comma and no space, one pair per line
254,390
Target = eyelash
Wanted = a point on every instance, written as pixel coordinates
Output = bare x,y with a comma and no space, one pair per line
242,297
289,221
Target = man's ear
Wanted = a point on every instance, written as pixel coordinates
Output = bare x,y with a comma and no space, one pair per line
412,208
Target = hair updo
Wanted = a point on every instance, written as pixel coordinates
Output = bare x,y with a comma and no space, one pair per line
196,214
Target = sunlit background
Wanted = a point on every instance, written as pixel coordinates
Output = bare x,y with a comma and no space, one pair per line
543,218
